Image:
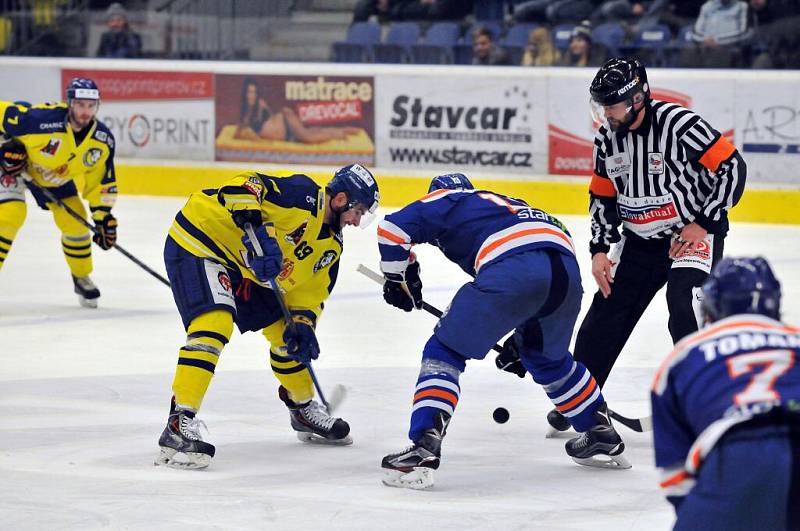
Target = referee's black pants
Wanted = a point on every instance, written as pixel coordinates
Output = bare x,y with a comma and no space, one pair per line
644,267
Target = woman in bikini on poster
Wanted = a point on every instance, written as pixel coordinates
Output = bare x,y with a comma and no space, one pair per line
258,122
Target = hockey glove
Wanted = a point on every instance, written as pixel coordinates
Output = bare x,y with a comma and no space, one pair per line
301,341
508,360
394,289
267,264
106,225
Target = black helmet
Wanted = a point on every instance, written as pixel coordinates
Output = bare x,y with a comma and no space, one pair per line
619,79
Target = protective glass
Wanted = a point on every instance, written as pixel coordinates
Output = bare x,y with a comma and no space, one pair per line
617,110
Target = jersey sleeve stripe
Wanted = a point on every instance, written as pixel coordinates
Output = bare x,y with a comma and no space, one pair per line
602,186
516,236
720,151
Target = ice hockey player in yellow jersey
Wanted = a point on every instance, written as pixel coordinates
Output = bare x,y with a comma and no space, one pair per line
68,150
12,193
218,279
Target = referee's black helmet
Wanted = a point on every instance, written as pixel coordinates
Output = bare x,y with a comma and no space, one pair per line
619,79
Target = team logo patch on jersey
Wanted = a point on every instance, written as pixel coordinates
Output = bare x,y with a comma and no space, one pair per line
91,157
655,163
617,165
253,186
288,267
51,147
224,281
7,181
102,136
296,235
327,259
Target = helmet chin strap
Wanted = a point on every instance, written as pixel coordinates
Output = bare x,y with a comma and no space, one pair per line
631,117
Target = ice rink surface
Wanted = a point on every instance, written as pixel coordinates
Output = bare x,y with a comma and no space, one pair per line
84,395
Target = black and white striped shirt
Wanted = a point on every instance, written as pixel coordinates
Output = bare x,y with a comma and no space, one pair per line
672,170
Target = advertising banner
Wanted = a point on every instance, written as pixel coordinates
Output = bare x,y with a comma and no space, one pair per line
325,120
156,114
768,126
457,123
571,129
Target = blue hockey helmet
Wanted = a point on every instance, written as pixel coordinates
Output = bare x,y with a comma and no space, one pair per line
80,88
741,285
450,181
360,187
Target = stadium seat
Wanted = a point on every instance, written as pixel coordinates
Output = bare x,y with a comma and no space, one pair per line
437,46
561,35
518,35
357,47
651,44
396,47
490,10
611,35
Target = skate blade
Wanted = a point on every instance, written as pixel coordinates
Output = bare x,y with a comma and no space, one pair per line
420,478
194,460
313,438
612,462
87,303
553,433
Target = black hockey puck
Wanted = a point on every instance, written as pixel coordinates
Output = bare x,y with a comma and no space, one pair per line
500,415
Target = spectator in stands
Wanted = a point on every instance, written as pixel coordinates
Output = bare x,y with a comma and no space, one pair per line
677,15
485,51
718,34
257,122
540,50
119,41
366,8
776,39
432,10
581,51
554,11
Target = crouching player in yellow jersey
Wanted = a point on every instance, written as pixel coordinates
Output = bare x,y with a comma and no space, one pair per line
218,279
12,193
69,149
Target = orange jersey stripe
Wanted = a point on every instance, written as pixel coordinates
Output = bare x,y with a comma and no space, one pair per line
435,193
580,398
438,393
390,236
528,232
674,480
719,151
602,186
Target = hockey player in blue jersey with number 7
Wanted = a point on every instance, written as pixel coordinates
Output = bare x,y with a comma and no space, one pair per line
726,409
525,279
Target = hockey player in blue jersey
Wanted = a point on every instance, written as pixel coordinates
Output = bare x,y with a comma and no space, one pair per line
726,409
526,279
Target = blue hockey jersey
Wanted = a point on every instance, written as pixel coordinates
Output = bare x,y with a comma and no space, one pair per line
725,374
471,227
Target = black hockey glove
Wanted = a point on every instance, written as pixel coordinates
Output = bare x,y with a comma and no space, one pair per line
508,360
394,289
106,225
301,340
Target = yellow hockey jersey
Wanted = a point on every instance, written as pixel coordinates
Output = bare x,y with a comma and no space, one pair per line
55,157
295,205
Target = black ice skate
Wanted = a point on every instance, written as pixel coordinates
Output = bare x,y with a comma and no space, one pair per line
182,436
313,424
86,290
601,446
413,467
558,425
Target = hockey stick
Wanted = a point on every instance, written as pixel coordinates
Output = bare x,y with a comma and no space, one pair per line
339,391
53,199
639,425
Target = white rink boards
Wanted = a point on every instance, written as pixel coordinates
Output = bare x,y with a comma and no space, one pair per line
84,395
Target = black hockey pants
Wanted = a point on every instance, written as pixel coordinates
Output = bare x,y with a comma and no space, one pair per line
644,267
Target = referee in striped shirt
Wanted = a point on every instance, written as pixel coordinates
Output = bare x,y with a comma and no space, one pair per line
663,182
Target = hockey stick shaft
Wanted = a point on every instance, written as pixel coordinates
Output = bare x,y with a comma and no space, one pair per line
287,316
80,219
640,425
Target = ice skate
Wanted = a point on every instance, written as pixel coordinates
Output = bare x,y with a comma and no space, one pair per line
600,446
558,425
314,424
182,437
86,290
413,467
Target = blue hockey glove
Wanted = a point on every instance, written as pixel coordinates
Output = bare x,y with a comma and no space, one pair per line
106,225
508,360
394,289
301,341
268,264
